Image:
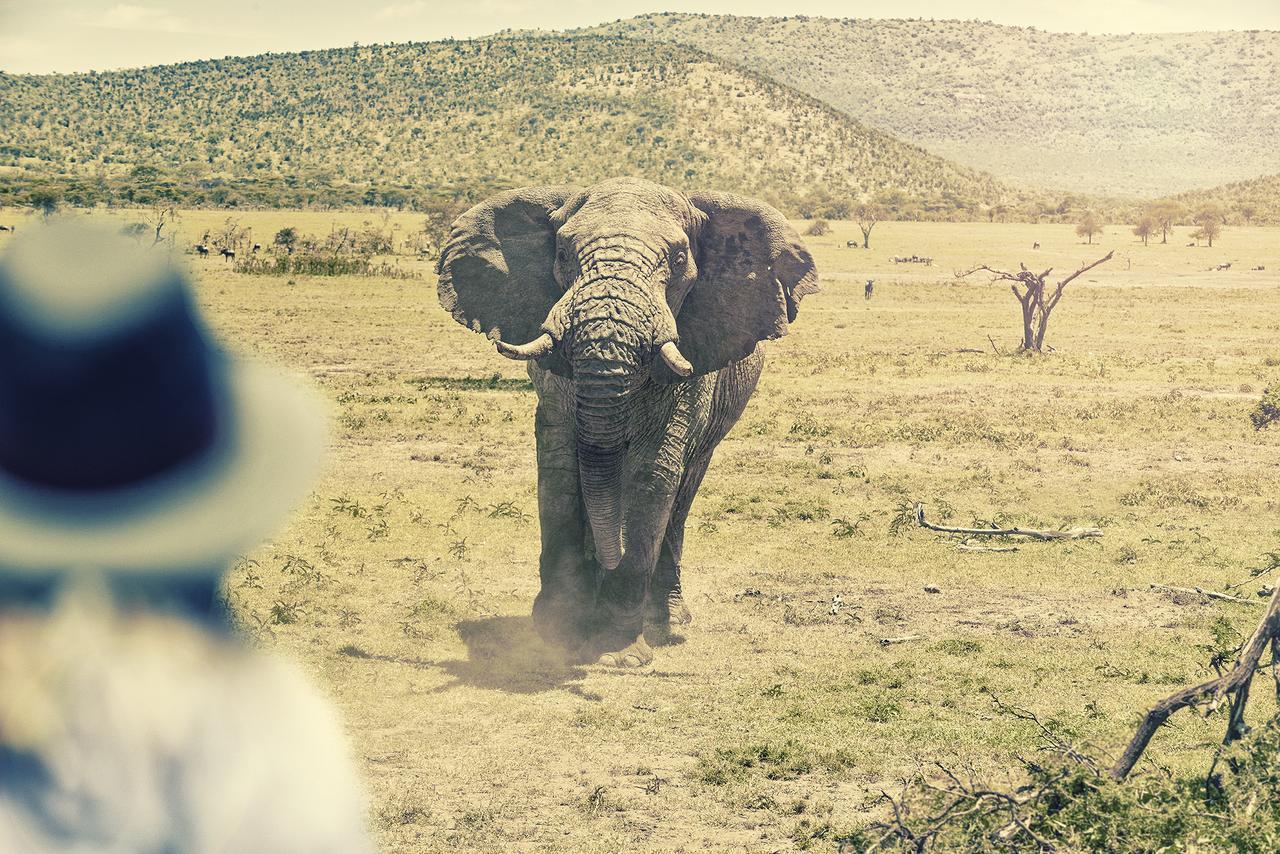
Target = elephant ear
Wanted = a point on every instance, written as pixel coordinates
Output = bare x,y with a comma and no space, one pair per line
496,271
752,273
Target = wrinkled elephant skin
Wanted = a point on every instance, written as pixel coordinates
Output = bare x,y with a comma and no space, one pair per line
640,310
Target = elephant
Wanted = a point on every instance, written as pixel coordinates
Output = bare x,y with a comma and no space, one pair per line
641,311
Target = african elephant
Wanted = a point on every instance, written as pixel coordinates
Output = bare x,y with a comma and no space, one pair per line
642,310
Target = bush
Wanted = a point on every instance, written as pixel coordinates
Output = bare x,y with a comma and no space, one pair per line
819,228
320,264
1068,804
1267,410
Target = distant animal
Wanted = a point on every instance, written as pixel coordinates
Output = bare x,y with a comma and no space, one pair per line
871,286
644,309
852,244
1192,243
202,250
1035,245
227,254
1259,267
257,246
1224,266
5,228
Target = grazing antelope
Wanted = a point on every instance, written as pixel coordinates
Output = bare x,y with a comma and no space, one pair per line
202,250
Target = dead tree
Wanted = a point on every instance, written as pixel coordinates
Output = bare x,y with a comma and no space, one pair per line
162,214
1210,695
1030,288
867,216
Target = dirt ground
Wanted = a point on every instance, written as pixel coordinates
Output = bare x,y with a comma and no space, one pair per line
774,722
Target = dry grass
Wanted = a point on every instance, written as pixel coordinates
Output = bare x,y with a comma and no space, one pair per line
405,581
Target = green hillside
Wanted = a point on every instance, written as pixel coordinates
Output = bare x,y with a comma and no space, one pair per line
1139,114
1253,201
407,124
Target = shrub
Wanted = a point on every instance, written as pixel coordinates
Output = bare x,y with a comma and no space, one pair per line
819,228
1068,804
320,264
1267,410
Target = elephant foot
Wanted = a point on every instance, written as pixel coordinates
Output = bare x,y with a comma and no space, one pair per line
662,613
614,648
561,621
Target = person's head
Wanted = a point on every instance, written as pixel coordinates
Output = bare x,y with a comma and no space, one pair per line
133,450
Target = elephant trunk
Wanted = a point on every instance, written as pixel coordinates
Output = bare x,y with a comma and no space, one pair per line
609,326
611,339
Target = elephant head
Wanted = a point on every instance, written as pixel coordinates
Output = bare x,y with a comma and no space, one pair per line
618,283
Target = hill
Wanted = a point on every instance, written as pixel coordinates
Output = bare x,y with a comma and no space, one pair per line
1253,201
1138,114
406,124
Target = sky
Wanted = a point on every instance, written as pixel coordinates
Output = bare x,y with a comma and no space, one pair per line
41,36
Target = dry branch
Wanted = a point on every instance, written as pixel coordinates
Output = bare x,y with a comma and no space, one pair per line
903,639
1033,533
1236,682
1211,594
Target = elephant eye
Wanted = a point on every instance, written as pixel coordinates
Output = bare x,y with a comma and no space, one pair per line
681,257
561,255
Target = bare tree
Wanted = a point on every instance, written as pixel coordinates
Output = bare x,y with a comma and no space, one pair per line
1145,228
231,235
1088,226
1029,288
162,214
1248,212
867,215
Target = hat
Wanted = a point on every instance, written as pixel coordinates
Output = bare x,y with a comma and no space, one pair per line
128,439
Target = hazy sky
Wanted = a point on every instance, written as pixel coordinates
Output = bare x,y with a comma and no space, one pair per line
78,35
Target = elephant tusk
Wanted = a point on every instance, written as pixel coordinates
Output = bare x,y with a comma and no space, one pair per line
675,359
535,349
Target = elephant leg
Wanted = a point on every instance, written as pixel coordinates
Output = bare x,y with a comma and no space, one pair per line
654,471
732,389
618,637
665,605
563,608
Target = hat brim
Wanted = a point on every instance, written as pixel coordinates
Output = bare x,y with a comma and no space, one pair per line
194,518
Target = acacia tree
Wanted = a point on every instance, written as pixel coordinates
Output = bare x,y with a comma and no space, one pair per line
1166,215
1209,218
1030,288
1248,212
1145,228
287,238
867,215
1088,226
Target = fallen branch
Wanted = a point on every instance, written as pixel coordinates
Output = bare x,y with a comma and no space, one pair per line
965,547
1033,533
1236,682
903,639
1211,594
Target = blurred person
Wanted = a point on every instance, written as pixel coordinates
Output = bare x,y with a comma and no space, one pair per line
136,461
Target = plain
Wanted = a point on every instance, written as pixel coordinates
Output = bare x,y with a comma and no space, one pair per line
405,581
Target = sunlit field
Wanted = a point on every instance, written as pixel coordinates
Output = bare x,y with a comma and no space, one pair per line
405,581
